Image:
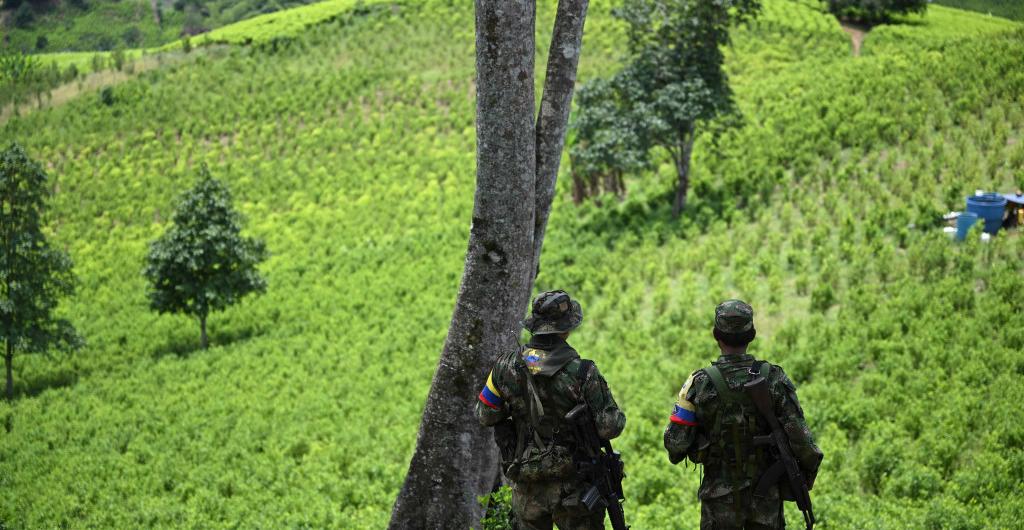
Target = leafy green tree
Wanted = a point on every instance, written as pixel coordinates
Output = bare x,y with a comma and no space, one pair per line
33,275
202,263
873,12
23,16
132,36
606,142
673,82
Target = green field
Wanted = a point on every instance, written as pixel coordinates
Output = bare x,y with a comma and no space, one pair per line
104,25
350,150
1011,9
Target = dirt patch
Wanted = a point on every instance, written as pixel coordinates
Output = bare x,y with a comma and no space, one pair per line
857,34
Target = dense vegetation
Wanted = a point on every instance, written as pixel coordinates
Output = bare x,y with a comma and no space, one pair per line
98,25
350,151
1011,9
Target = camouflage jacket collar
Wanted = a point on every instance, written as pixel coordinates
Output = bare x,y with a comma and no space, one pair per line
546,354
734,358
546,342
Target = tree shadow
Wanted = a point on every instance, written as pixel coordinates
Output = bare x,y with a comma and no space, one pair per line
651,216
183,346
33,387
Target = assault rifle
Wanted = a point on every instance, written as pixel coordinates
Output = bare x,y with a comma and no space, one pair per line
602,468
785,462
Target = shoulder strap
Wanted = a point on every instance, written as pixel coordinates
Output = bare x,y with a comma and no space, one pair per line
583,375
586,371
762,368
534,406
724,392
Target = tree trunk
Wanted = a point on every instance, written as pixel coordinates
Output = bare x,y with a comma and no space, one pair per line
579,188
517,163
155,6
455,458
203,341
683,171
8,362
555,104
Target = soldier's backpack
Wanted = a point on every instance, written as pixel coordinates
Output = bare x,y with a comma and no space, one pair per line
734,429
736,425
541,451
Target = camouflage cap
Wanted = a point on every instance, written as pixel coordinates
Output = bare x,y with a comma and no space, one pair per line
734,316
553,312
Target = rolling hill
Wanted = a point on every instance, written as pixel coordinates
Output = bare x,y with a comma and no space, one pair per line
349,146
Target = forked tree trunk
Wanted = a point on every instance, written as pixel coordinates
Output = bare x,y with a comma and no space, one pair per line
455,460
683,171
555,104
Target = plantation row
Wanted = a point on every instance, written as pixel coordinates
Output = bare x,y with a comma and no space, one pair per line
350,150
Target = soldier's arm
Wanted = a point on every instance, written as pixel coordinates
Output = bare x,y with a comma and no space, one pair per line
609,418
791,416
682,426
490,406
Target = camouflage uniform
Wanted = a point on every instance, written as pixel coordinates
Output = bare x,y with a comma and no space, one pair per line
719,435
537,451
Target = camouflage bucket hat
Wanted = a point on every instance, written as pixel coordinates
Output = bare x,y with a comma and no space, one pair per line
553,312
734,316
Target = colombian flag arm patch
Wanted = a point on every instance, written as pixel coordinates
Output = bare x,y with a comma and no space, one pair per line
490,395
684,413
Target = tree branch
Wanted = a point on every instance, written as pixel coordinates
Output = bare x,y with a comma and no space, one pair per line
553,119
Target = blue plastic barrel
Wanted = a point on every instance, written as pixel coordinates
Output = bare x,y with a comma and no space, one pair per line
964,223
989,207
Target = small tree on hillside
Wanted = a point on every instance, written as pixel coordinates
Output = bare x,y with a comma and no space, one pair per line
873,12
857,17
674,81
33,275
202,263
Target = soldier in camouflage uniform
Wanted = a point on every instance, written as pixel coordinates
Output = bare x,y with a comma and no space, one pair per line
526,398
714,422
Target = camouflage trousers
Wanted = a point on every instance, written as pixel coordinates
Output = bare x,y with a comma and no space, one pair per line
538,505
742,511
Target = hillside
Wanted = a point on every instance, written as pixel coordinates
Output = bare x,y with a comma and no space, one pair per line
103,25
350,150
1011,9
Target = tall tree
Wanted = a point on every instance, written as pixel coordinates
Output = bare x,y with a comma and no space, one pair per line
33,274
202,263
518,154
673,83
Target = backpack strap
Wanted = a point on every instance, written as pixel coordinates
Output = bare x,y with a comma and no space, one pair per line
724,392
761,368
727,394
583,376
535,407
